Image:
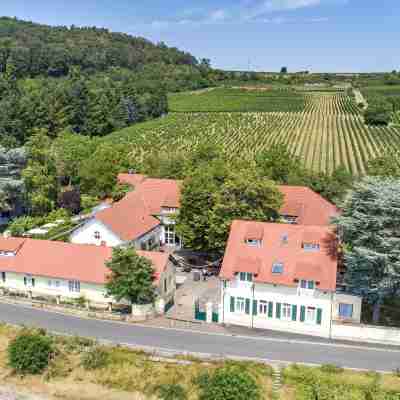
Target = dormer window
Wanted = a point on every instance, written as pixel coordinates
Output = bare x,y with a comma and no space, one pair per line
311,246
253,242
245,276
277,268
305,284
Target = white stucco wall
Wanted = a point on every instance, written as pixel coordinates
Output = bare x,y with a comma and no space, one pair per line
276,294
92,292
85,234
365,333
347,299
169,277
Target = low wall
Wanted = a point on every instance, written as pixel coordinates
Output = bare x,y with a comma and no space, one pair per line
365,333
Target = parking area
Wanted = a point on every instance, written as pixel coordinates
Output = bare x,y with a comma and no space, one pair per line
189,290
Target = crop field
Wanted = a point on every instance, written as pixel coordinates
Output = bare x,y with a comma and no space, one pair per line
327,133
237,100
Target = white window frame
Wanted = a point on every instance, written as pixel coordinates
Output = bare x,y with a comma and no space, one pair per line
347,305
74,286
263,307
307,283
240,306
311,246
253,242
170,235
286,312
312,320
30,281
280,265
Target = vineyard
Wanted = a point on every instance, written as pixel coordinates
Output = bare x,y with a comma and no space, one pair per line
238,100
327,133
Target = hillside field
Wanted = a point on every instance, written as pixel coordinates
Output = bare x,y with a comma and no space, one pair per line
325,129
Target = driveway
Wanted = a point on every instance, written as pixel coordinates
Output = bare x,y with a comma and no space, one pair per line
285,348
190,290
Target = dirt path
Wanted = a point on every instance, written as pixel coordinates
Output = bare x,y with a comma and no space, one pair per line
360,99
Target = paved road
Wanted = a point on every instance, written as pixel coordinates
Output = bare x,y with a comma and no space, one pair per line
268,348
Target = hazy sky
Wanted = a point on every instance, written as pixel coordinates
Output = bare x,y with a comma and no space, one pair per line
319,35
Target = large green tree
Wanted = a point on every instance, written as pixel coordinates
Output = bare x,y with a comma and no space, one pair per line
131,278
40,176
369,227
212,198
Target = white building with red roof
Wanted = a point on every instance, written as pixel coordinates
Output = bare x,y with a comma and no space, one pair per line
142,217
283,277
70,271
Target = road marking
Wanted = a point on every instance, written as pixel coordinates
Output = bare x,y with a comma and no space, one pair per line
365,347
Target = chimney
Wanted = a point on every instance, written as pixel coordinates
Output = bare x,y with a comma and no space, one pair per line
103,243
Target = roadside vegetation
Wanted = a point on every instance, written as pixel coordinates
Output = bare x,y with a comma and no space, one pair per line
78,368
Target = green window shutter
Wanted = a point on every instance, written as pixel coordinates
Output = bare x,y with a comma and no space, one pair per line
232,304
294,313
247,306
302,313
254,307
278,310
270,309
319,316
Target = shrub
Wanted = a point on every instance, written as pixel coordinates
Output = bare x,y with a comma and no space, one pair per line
120,190
228,384
171,392
95,358
331,369
30,352
88,202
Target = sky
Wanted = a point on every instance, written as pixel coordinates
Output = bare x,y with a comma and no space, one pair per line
262,35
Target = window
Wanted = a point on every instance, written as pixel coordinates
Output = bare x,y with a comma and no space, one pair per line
311,314
3,277
286,311
74,286
345,310
246,277
253,242
277,268
240,305
97,235
170,235
311,246
29,281
263,307
49,283
304,284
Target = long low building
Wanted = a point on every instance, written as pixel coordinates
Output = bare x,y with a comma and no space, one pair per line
71,271
283,277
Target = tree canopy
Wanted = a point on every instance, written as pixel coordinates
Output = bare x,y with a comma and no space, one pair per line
131,277
369,229
213,198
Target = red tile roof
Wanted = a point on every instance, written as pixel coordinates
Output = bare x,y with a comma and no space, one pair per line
85,263
309,207
10,244
131,179
320,265
134,215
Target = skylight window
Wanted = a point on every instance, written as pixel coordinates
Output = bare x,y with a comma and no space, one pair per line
253,242
277,268
311,246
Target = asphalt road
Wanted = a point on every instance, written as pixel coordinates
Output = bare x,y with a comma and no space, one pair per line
273,349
